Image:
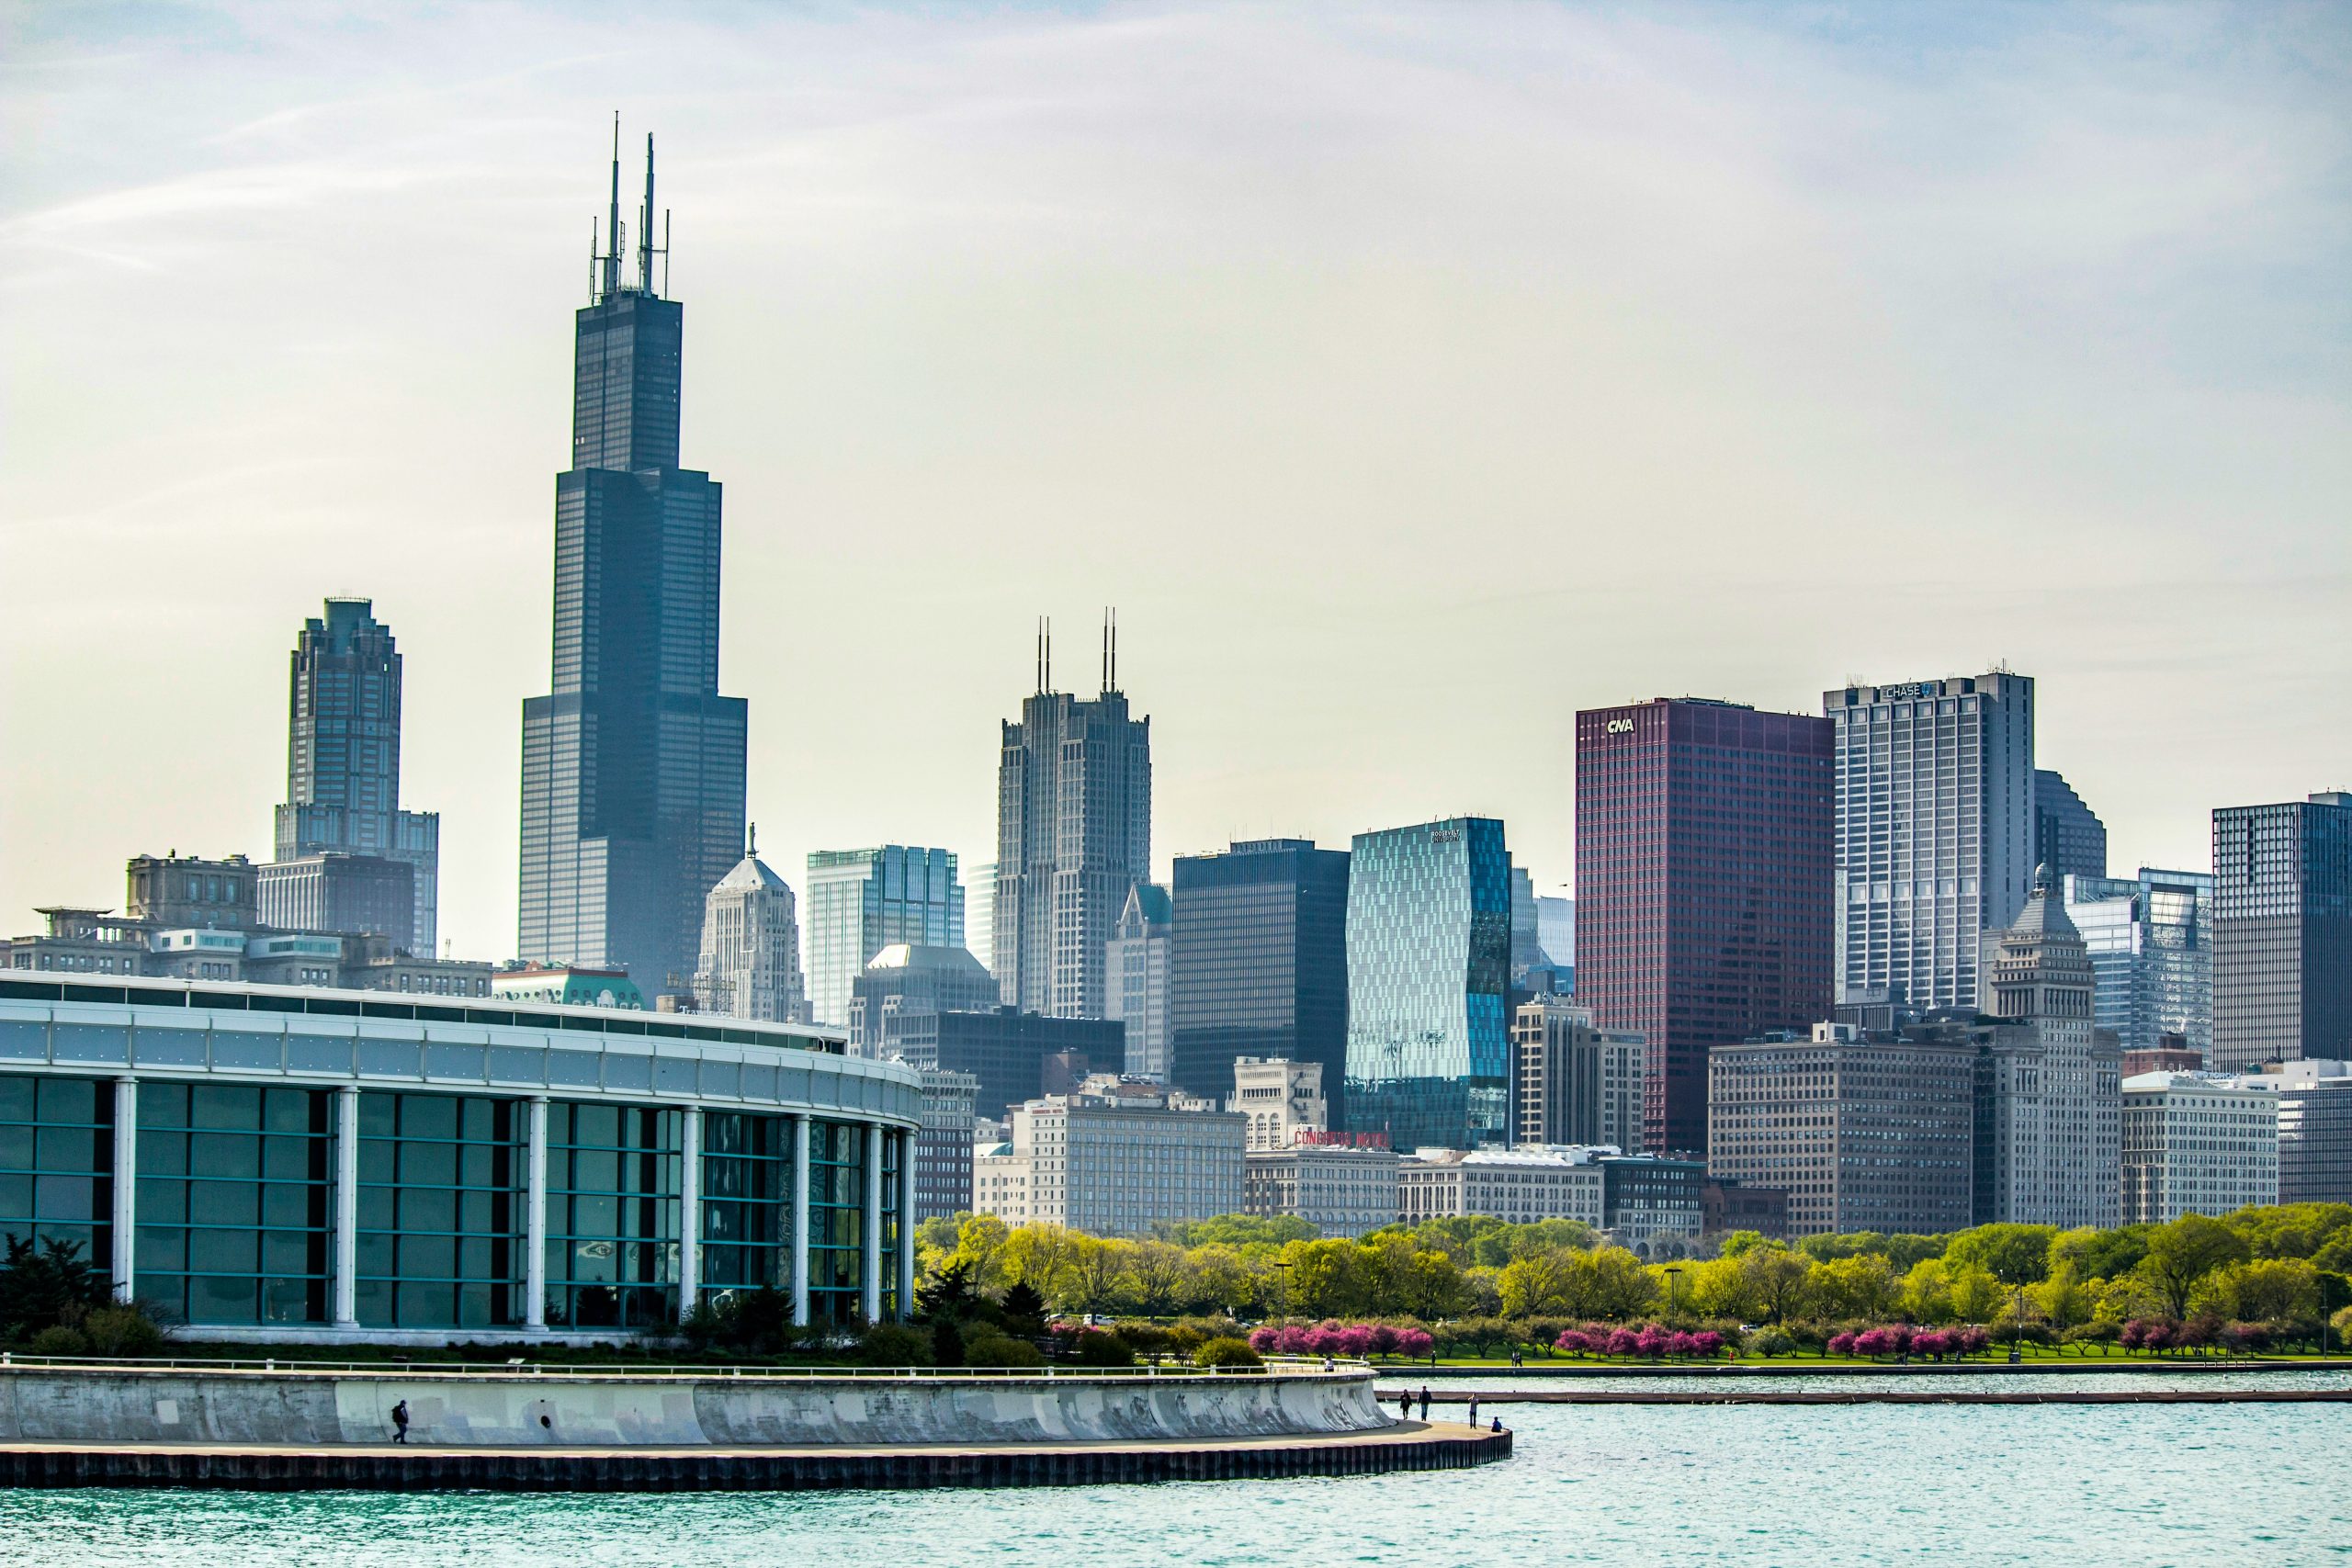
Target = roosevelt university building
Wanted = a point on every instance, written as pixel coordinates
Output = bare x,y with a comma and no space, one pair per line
633,765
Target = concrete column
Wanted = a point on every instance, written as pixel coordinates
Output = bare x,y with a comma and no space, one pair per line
126,1183
346,1288
870,1275
690,1213
800,1128
535,1220
906,1142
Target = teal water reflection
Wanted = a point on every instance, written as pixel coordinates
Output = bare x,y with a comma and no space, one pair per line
1816,1487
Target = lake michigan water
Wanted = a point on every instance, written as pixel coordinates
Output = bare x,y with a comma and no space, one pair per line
1813,1487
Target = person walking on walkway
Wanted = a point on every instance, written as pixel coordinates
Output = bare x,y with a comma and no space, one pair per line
1425,1402
1474,1410
399,1421
1405,1405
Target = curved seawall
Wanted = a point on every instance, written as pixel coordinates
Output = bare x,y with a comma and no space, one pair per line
302,1408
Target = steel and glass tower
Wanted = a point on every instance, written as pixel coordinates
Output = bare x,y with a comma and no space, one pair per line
633,765
861,901
1429,982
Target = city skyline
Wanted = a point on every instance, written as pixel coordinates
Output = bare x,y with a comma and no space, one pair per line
1280,716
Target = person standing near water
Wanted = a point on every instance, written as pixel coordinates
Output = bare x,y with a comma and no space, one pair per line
1474,1410
1425,1402
399,1421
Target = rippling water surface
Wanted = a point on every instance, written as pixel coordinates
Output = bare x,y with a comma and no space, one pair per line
1817,1487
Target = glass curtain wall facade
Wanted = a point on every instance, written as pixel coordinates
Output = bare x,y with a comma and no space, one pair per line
221,1201
1259,964
2282,931
441,1219
836,1221
1705,857
861,901
57,1163
613,1194
633,765
234,1203
746,1202
2151,944
1429,968
2068,837
1935,833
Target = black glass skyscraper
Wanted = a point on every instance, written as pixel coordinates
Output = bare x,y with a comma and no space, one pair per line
633,765
1260,963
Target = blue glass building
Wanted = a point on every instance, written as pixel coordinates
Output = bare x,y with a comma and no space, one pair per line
1429,971
633,765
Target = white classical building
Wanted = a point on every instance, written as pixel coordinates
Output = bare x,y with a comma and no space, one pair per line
2196,1144
1341,1188
1114,1159
2054,1103
1519,1185
1280,1097
751,948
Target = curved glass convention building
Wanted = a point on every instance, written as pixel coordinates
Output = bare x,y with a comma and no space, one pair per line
298,1163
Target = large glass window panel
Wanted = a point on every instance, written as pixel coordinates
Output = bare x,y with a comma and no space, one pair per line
57,1163
443,1211
613,1186
234,1202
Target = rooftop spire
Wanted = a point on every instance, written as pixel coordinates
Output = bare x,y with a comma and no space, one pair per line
645,251
612,256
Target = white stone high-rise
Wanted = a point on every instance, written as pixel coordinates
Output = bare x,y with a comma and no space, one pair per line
1935,832
2053,1092
750,947
1135,981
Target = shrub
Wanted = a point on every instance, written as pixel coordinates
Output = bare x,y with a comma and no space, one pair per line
1094,1348
1770,1342
1227,1351
1415,1343
894,1345
122,1331
1842,1344
59,1340
947,1343
990,1347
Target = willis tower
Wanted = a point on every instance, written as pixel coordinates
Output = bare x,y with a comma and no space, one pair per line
633,765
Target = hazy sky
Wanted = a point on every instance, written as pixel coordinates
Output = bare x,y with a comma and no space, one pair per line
1408,376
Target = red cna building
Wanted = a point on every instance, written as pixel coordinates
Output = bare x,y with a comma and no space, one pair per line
1706,857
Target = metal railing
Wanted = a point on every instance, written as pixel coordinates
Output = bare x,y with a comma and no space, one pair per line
1285,1366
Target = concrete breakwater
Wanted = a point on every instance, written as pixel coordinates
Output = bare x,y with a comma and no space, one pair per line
297,1407
381,1468
1719,1396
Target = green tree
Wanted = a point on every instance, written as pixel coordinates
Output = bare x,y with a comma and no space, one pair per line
1239,1230
1858,1286
2101,1255
1778,1278
1538,1283
1159,1274
979,1242
1040,1256
1926,1291
2064,1298
2262,1289
1720,1288
1095,1275
1433,1286
2015,1255
1903,1249
1739,1244
1322,1278
1977,1296
2184,1252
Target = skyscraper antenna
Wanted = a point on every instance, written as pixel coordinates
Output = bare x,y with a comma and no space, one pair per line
645,225
751,841
1109,650
612,257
